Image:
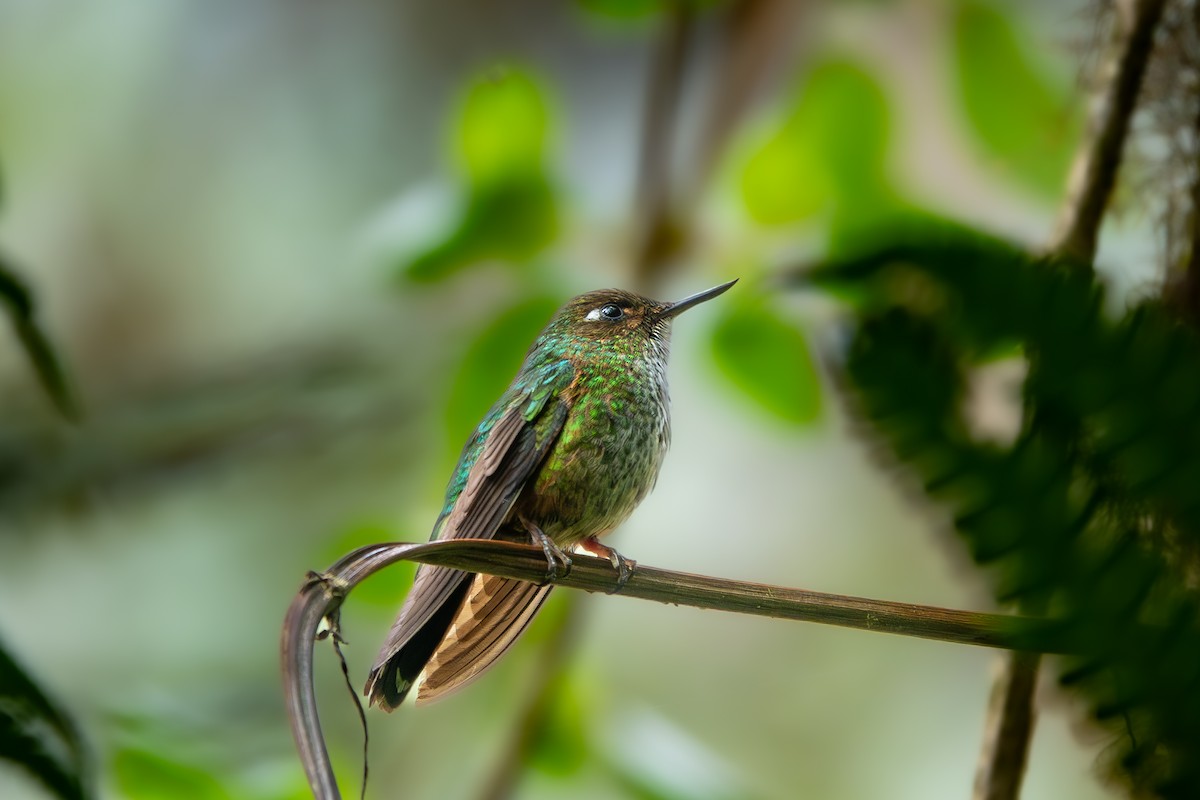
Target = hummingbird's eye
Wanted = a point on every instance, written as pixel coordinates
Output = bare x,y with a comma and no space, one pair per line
611,312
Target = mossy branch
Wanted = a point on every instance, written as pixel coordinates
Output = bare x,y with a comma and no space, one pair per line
322,595
1094,173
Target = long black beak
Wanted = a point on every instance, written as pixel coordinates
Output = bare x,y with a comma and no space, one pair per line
678,307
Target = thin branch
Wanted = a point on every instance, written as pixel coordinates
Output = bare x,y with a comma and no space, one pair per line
655,224
321,597
1094,172
1008,729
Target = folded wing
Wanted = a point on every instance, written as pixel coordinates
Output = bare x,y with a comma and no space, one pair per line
513,447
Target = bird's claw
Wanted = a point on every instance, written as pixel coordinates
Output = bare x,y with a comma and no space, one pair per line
555,557
554,554
624,566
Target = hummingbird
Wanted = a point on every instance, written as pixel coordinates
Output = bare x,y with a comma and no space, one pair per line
562,458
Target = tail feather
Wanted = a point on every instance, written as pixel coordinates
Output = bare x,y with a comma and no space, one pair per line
495,613
390,681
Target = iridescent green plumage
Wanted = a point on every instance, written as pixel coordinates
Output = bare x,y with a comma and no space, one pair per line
564,456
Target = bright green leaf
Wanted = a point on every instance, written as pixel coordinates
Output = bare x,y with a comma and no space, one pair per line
622,10
503,128
831,150
491,362
767,358
149,776
625,12
511,208
1022,117
785,181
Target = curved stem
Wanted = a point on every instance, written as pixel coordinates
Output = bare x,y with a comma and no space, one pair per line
322,595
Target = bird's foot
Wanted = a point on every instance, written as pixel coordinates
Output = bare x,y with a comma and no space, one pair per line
555,557
624,566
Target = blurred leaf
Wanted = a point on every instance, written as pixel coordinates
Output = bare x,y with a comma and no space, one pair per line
511,209
39,737
491,362
502,221
636,11
149,776
19,302
503,128
767,358
622,10
1022,118
830,150
561,746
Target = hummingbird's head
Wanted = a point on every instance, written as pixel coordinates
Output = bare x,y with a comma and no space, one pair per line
623,320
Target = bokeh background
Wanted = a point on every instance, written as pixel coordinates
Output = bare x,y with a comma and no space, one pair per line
290,251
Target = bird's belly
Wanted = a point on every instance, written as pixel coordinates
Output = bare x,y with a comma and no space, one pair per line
603,465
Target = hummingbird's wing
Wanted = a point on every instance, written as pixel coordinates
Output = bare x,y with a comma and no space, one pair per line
507,448
495,613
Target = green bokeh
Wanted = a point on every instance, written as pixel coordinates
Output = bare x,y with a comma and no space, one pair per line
508,221
503,127
829,152
152,776
621,10
510,208
1023,119
767,358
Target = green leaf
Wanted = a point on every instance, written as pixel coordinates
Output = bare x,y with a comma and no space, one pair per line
149,776
508,222
621,10
503,128
491,362
830,150
38,736
511,208
768,359
1022,117
561,745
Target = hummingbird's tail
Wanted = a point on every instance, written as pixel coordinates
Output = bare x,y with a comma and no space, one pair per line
493,616
409,649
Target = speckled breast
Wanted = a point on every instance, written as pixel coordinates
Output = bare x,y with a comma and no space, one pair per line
606,459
